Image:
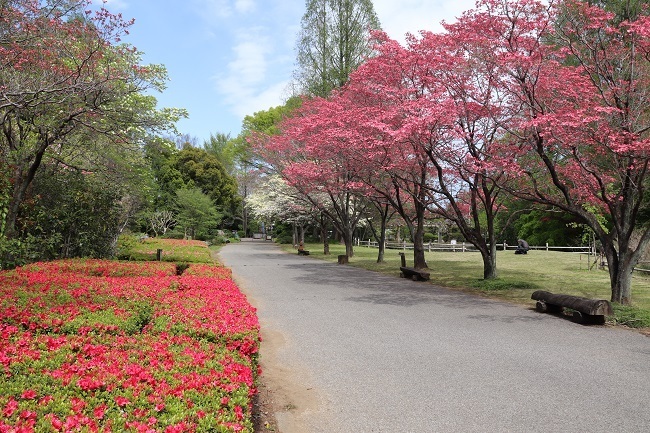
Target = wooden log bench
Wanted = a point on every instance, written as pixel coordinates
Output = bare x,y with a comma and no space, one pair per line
412,273
303,252
586,311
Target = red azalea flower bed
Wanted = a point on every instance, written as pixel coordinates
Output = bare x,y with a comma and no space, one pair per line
93,345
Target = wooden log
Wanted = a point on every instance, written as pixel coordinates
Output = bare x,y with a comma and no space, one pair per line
592,307
403,258
415,274
303,252
343,259
543,307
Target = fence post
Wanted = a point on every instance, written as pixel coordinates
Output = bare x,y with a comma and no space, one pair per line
429,246
505,246
546,246
463,246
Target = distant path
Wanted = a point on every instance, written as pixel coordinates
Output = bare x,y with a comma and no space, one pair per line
355,351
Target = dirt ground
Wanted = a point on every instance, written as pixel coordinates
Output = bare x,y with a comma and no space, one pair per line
264,407
284,399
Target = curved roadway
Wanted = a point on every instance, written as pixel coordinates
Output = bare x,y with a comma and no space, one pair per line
364,352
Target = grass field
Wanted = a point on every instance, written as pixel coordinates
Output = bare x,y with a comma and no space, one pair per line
518,275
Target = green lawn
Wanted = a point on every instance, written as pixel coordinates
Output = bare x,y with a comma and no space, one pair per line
518,275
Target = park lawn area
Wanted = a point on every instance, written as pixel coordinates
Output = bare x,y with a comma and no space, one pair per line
100,345
173,250
518,275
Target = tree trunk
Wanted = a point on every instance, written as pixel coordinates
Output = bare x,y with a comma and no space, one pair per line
348,239
382,236
490,262
620,274
419,261
490,256
324,235
22,181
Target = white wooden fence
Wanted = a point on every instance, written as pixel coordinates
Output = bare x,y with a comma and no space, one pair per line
467,247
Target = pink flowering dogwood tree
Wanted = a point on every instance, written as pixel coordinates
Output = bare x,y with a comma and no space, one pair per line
575,81
313,156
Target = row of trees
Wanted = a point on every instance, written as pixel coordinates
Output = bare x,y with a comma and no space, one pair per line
540,102
517,102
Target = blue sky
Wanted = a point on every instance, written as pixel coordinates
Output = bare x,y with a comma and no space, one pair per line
230,58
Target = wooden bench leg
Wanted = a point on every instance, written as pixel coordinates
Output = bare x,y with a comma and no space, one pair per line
543,307
588,319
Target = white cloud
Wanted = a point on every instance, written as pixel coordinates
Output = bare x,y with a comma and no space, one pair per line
244,6
213,8
411,16
244,86
112,4
224,8
263,100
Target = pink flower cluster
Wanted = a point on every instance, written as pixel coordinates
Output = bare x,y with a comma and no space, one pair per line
91,345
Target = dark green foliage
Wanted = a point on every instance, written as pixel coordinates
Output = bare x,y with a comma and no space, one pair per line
625,10
188,169
539,227
283,233
201,169
196,214
181,267
430,237
67,213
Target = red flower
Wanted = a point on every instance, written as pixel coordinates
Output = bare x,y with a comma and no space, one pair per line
57,424
77,404
28,394
10,408
121,401
99,411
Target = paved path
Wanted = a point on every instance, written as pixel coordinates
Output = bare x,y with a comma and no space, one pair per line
371,353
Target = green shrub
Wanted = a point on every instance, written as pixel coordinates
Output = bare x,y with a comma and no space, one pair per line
284,239
125,244
631,316
500,285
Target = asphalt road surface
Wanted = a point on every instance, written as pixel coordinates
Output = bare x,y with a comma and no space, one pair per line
362,352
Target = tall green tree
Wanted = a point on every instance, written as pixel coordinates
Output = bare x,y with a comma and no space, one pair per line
223,147
625,10
246,163
196,213
333,42
200,169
